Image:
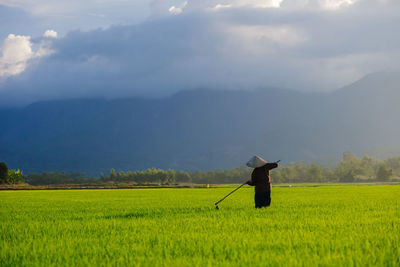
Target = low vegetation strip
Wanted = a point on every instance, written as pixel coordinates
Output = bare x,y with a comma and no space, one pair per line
162,186
305,226
95,186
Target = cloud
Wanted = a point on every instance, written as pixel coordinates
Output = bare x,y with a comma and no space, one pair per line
241,46
292,4
177,10
50,34
17,51
322,4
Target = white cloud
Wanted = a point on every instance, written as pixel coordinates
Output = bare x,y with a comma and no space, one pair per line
201,5
50,34
261,4
251,3
334,4
16,51
177,10
219,6
317,4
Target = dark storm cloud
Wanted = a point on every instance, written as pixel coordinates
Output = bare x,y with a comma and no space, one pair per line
237,48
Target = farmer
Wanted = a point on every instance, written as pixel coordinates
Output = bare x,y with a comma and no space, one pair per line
261,180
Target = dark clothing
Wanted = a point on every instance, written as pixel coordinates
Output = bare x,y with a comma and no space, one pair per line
262,199
261,179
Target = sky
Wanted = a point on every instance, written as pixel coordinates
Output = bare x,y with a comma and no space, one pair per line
121,48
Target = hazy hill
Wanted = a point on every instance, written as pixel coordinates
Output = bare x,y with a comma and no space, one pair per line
203,129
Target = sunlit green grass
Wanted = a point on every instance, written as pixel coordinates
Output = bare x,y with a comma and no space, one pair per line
305,226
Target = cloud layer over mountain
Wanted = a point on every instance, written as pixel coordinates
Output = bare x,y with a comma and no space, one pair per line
306,45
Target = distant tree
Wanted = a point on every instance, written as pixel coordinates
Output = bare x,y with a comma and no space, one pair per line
288,173
315,173
169,176
197,176
300,172
47,178
367,166
39,179
113,175
394,165
15,177
383,173
102,177
121,176
183,177
328,175
3,173
276,177
348,156
348,177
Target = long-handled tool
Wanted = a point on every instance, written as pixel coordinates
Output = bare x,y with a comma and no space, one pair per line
216,203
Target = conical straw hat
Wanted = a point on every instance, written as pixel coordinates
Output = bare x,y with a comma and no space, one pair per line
256,162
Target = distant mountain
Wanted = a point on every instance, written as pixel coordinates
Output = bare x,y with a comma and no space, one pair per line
203,129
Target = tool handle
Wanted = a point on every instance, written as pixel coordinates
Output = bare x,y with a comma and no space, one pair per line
216,203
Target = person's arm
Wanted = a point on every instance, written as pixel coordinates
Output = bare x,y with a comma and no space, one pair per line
270,166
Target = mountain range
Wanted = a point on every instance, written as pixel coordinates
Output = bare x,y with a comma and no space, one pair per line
204,129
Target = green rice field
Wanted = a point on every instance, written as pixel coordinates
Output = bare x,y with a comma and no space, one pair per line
305,226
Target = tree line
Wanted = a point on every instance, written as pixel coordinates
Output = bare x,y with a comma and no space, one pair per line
350,169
